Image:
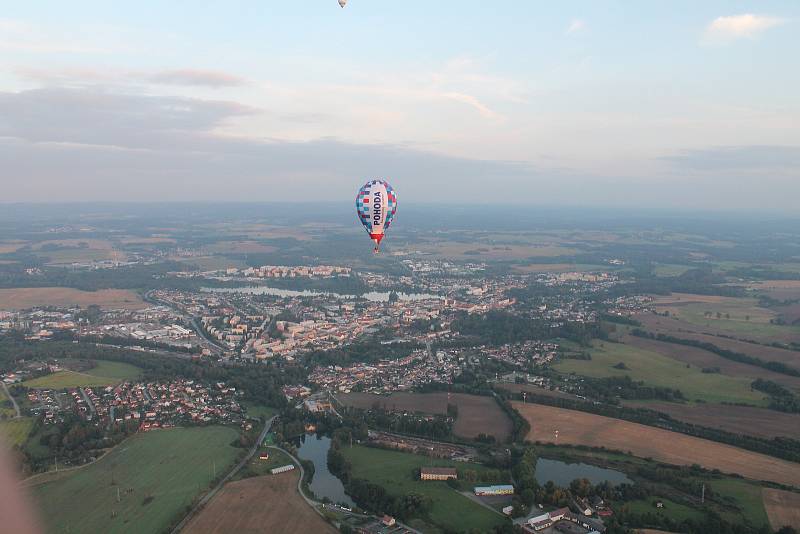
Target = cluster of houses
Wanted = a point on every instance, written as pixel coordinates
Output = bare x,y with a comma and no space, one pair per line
525,354
416,369
544,521
158,404
284,271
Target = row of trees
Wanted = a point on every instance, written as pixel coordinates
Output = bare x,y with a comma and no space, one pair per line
779,447
777,367
780,398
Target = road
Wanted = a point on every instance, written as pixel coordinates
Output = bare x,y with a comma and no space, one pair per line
13,401
88,401
210,343
210,495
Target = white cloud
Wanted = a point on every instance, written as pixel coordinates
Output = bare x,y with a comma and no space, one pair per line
575,26
740,26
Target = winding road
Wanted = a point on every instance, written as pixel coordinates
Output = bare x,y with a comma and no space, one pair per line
210,495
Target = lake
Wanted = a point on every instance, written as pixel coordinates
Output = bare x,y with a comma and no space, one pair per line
372,296
324,484
562,473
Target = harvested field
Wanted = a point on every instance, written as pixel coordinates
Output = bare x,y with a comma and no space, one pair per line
7,247
778,289
268,503
29,297
480,250
758,422
790,314
580,428
683,299
718,336
783,508
705,359
476,414
557,267
240,247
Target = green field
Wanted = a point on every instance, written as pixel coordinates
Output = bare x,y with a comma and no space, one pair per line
657,370
743,495
672,510
670,269
259,410
6,408
16,431
105,373
740,317
397,473
258,467
165,469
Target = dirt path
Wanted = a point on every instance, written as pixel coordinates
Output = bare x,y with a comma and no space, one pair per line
12,399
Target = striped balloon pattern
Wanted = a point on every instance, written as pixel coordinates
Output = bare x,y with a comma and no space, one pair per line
376,205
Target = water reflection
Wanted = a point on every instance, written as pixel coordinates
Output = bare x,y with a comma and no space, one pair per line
324,484
562,473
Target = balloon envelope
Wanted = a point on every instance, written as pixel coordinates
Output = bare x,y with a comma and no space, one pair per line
376,204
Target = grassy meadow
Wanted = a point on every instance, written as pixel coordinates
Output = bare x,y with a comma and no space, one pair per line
105,373
143,485
658,370
397,473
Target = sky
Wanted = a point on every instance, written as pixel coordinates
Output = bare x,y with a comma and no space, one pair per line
680,104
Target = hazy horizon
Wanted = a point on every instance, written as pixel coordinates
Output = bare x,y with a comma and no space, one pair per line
683,105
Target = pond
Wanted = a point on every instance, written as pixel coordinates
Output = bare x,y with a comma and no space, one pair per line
562,473
324,484
372,296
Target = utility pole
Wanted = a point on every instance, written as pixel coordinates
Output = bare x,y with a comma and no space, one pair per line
118,500
214,465
703,495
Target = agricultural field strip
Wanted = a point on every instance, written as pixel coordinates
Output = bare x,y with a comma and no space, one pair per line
580,428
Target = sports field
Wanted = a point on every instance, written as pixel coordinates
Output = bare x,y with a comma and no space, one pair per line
29,297
15,431
476,414
658,370
143,485
268,503
105,373
580,428
783,508
396,472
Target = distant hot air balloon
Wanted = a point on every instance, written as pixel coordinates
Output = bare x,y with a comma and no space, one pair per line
376,205
342,3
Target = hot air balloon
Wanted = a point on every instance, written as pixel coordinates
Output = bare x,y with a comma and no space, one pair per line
376,205
342,3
